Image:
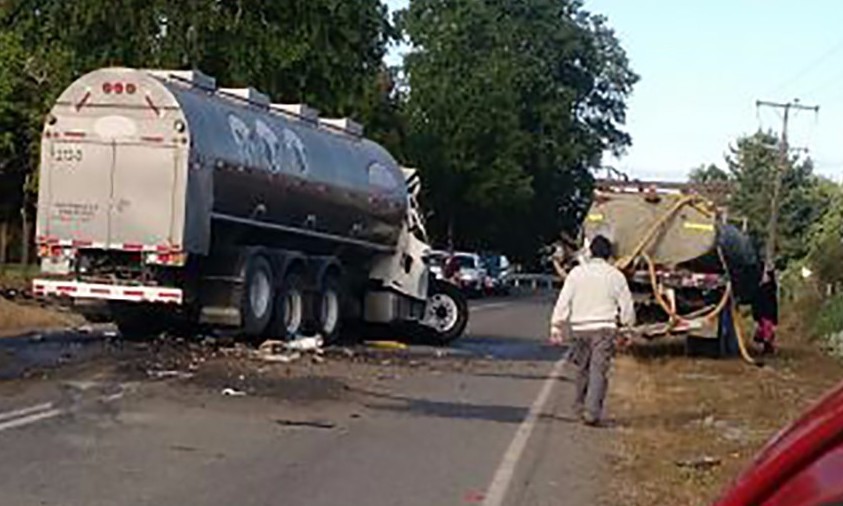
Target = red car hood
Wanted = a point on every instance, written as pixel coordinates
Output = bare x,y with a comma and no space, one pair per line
819,429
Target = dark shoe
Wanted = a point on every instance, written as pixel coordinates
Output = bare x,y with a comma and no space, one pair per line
590,420
768,348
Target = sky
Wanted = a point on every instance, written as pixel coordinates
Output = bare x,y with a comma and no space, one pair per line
704,64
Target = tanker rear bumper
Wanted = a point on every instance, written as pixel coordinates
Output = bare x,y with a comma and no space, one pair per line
102,291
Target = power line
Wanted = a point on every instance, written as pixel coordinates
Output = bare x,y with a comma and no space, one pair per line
810,66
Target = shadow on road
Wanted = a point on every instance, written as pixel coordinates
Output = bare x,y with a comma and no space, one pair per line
440,409
510,348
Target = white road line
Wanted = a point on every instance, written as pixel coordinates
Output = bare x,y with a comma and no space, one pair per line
26,420
496,493
494,305
25,411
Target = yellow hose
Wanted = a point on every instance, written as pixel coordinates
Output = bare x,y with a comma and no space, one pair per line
624,262
638,252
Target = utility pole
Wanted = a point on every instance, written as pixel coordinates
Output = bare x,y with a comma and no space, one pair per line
784,151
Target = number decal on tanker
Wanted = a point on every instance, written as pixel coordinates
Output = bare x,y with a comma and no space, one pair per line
261,147
66,153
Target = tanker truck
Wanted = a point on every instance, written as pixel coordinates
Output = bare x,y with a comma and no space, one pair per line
169,199
685,264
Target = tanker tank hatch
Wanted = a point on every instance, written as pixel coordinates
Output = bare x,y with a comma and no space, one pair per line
300,111
188,77
250,95
347,125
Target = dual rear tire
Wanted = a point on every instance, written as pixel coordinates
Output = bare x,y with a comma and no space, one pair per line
281,309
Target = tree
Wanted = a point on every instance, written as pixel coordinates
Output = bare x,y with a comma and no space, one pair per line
509,105
752,164
706,174
825,236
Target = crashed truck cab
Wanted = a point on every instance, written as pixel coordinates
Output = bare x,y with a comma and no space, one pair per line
157,187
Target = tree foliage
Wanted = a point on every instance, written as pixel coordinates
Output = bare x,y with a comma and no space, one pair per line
706,174
753,163
509,105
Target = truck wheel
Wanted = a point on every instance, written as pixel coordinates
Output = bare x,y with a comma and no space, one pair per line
289,307
256,302
446,313
328,308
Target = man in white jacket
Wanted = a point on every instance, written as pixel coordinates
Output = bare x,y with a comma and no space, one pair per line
594,298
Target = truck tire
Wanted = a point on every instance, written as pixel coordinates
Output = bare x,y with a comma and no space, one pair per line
446,314
289,313
328,309
256,304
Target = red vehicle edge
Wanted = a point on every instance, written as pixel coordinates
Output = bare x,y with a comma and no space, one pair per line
801,466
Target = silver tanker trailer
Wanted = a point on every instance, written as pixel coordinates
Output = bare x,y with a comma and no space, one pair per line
172,199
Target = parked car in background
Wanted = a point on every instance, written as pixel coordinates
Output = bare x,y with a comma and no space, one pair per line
801,466
499,269
471,274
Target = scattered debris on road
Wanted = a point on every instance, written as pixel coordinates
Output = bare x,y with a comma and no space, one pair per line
231,392
700,463
306,424
386,345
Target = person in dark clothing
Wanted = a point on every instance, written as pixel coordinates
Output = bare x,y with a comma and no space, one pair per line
765,311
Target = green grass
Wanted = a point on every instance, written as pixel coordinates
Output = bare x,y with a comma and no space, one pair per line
828,323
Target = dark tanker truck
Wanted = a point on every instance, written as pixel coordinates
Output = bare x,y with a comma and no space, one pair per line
173,200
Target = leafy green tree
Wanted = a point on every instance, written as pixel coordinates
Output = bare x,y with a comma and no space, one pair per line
710,173
825,236
509,105
753,163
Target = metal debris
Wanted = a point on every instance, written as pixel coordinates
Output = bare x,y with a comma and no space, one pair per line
386,345
306,423
171,373
699,463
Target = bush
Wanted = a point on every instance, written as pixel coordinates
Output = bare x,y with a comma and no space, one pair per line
828,324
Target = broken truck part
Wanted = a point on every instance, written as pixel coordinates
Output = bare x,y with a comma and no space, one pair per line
170,198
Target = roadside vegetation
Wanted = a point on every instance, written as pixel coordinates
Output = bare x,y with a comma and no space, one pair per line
685,426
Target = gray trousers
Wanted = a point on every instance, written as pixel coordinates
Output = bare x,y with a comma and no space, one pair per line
591,354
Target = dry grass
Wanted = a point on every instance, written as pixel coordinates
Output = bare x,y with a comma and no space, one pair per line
18,318
670,408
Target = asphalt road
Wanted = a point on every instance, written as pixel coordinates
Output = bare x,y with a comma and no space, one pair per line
486,423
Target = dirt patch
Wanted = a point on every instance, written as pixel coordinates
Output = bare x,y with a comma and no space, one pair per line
686,427
16,318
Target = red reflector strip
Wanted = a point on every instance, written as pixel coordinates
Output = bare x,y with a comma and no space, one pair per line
101,291
167,295
67,289
152,138
81,244
78,135
162,249
133,247
133,293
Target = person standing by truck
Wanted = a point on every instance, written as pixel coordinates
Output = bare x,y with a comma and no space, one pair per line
594,298
765,311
